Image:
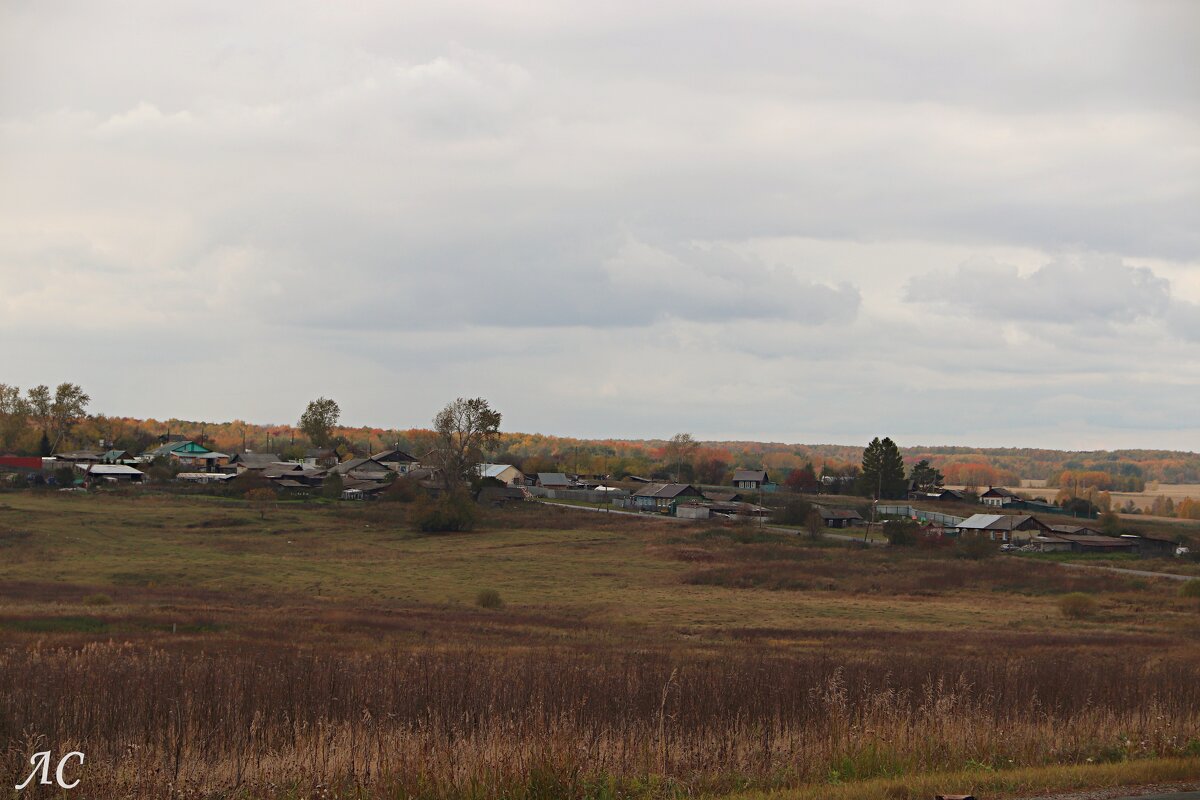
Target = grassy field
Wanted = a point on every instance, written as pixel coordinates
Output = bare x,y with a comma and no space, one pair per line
197,643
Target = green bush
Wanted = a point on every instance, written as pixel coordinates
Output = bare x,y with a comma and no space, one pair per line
489,598
450,513
1078,605
1190,589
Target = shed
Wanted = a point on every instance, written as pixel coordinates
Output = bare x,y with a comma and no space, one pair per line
692,511
839,517
553,480
1152,546
112,473
1099,544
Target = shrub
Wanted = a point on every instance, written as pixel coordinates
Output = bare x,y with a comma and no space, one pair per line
261,500
901,532
1077,605
1190,589
976,546
402,490
97,600
489,598
331,488
794,512
449,513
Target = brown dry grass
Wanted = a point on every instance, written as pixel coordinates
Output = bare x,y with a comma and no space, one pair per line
327,651
566,723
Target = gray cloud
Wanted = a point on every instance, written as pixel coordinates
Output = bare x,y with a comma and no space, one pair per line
757,221
1069,290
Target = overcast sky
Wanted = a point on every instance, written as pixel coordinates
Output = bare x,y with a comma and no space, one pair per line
950,222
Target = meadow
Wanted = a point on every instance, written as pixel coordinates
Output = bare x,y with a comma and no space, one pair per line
193,647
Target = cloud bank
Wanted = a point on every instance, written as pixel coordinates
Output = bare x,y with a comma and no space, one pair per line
811,222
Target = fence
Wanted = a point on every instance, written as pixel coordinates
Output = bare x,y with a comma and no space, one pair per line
937,517
579,495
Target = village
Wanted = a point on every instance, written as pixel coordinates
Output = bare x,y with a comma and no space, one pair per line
750,496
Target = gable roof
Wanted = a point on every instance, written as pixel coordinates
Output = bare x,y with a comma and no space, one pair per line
759,475
79,455
494,470
997,522
1095,541
364,464
1082,530
666,490
112,469
1000,491
256,460
189,447
553,479
394,455
837,513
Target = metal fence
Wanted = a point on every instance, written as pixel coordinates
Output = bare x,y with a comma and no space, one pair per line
937,517
580,495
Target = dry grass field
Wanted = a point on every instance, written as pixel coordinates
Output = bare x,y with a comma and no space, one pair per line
194,649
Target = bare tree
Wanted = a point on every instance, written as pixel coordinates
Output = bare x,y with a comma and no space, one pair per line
680,449
464,428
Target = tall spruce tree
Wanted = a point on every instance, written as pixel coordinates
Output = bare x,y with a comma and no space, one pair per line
882,475
926,477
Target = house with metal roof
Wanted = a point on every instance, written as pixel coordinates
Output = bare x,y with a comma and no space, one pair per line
1004,527
110,473
189,454
659,496
505,473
